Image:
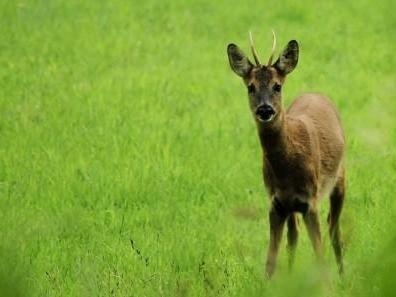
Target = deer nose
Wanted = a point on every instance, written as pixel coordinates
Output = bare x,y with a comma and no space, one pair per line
265,113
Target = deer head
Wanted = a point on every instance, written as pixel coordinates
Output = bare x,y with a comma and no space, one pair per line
264,82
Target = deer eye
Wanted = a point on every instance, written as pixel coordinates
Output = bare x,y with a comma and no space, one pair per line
277,87
251,88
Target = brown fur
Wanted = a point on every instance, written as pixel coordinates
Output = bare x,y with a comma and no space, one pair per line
303,153
303,162
303,150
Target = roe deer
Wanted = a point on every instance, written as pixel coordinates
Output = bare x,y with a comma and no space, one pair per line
303,151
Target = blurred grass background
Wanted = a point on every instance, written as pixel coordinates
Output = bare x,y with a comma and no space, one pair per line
130,165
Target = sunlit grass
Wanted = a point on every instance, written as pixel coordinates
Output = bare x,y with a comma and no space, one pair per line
130,165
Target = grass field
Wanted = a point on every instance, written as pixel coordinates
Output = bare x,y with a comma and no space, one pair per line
130,164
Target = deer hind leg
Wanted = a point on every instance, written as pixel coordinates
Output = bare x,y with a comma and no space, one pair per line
292,237
336,203
277,218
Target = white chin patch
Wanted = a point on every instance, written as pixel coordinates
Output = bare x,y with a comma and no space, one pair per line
265,120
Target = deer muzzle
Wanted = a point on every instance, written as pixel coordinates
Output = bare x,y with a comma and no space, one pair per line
265,113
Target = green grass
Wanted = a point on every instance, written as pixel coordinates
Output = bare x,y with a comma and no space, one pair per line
129,161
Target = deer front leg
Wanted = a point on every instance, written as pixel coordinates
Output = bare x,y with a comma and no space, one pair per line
277,220
311,219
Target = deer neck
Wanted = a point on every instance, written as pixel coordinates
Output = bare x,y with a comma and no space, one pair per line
273,138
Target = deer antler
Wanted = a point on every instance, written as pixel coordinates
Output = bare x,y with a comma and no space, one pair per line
273,49
255,56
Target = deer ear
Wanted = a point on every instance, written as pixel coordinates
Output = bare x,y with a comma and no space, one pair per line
287,61
239,63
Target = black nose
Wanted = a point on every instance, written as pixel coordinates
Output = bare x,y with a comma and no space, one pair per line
265,112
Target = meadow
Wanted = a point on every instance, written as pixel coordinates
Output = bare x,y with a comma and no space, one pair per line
130,163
